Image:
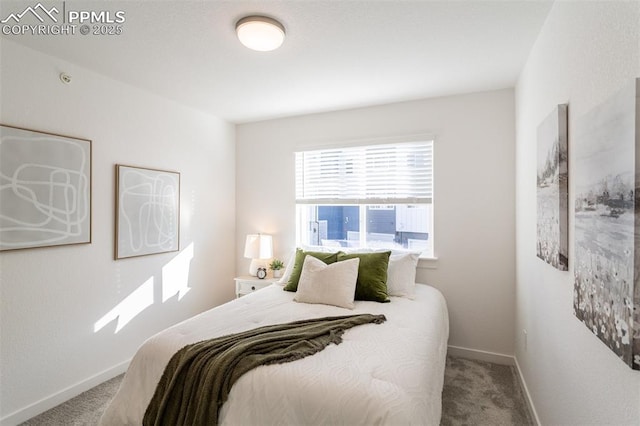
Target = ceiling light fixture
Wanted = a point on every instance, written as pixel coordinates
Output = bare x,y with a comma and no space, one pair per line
260,33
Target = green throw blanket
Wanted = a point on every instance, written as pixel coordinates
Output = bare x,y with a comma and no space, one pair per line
198,378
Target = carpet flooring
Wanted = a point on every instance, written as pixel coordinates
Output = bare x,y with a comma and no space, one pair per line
482,393
475,393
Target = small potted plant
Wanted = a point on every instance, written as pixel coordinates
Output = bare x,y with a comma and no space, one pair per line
276,266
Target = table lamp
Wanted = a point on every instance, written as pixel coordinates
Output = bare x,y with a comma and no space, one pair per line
258,248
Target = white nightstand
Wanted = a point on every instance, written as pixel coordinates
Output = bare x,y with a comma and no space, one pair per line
248,284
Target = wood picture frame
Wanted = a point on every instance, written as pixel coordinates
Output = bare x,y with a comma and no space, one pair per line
45,189
147,211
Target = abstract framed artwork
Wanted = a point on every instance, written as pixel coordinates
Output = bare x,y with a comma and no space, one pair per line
552,190
606,296
45,189
147,211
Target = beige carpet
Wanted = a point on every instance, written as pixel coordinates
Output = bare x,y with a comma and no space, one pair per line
475,393
482,393
83,410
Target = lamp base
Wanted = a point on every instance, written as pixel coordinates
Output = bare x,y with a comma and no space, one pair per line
255,264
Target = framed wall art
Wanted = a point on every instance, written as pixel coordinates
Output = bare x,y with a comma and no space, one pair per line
552,190
147,211
607,230
45,189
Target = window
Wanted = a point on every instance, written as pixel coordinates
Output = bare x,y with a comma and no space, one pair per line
377,196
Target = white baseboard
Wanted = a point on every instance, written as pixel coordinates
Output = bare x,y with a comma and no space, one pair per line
66,394
532,408
481,355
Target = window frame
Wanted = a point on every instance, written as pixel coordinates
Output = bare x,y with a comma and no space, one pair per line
427,254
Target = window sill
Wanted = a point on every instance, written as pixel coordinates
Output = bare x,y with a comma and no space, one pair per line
427,262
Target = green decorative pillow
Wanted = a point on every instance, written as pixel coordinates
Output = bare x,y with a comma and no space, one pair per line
327,258
372,275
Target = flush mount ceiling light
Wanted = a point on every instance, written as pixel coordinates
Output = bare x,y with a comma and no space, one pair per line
260,33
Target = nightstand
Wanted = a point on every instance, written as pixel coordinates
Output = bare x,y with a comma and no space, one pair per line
248,284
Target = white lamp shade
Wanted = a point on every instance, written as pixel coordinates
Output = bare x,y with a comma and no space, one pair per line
260,33
258,246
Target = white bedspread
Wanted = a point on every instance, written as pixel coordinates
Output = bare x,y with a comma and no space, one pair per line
391,373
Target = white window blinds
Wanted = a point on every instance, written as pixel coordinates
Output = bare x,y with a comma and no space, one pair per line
375,174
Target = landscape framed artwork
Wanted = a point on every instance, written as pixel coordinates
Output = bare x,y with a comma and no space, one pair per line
607,247
147,211
552,190
45,189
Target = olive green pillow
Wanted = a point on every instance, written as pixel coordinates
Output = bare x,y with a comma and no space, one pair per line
372,275
328,258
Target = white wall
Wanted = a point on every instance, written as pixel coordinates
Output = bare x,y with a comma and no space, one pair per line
586,52
474,197
52,298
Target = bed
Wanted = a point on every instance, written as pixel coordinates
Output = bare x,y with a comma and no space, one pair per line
390,373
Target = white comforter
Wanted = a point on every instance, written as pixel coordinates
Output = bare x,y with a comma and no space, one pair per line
391,373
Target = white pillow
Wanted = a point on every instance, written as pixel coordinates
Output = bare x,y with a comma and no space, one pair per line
333,284
288,267
401,274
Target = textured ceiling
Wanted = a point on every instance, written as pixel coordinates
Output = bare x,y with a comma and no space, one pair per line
337,54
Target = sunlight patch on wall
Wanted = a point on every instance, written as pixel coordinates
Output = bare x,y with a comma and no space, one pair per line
175,275
129,308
